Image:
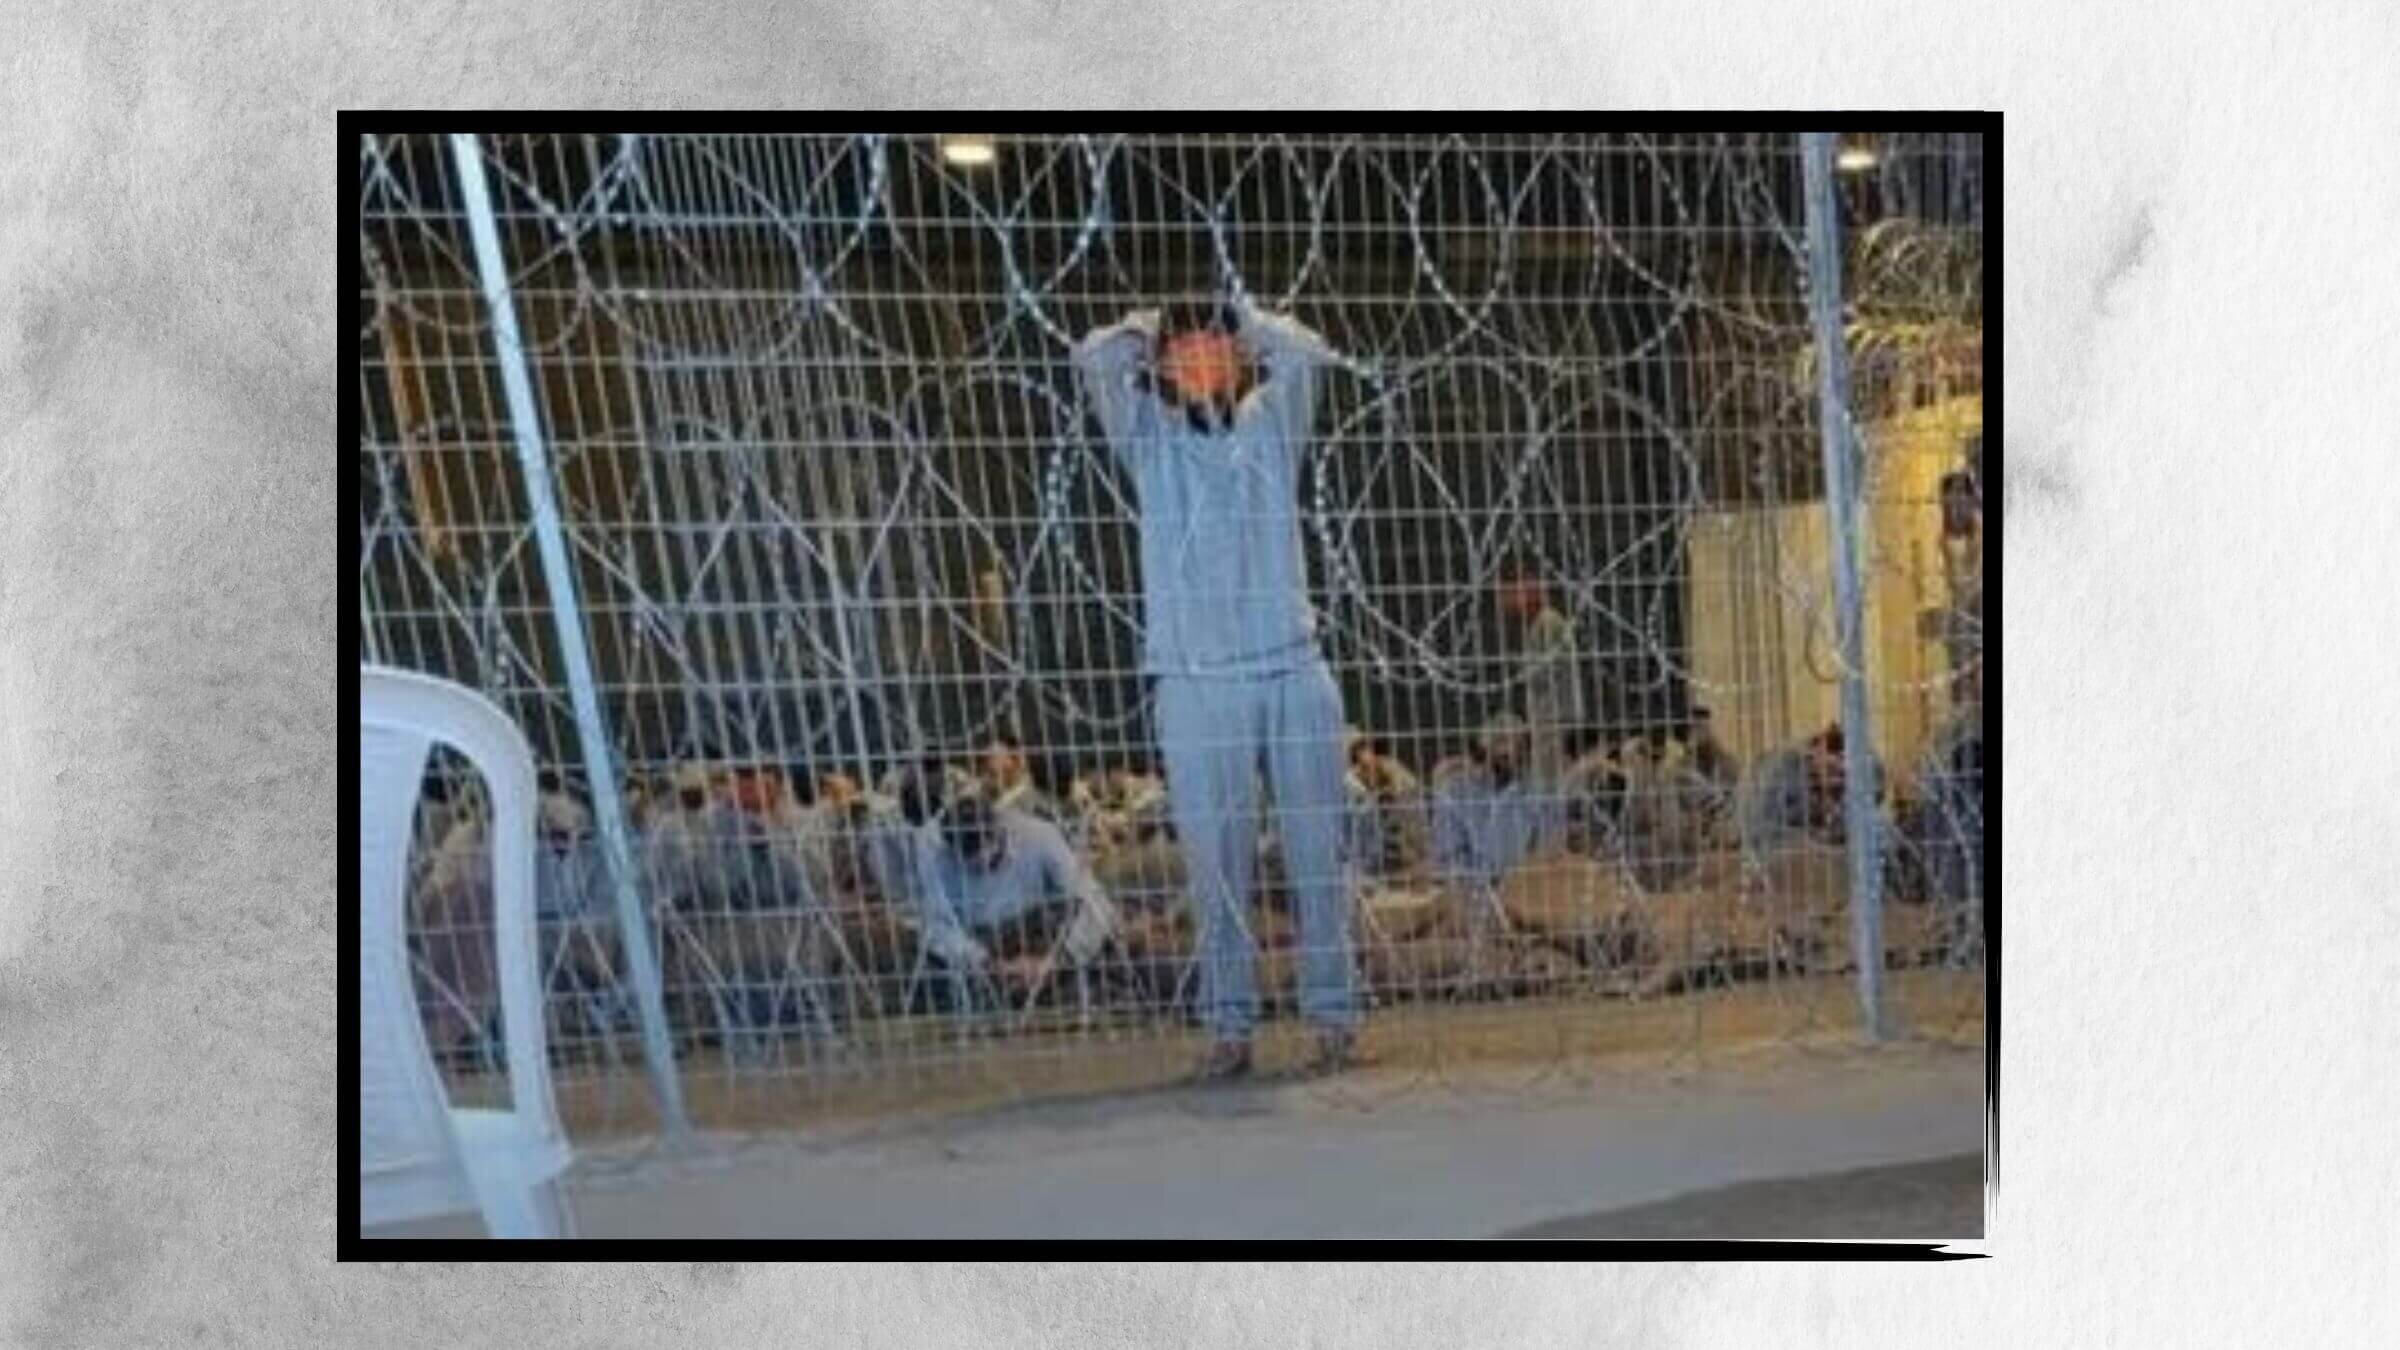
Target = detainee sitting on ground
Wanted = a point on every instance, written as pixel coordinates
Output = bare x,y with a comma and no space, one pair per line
994,882
1393,830
1488,817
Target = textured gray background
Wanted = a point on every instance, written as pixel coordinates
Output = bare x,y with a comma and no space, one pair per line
2202,273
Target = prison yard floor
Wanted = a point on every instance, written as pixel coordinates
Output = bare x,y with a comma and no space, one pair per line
1517,1121
1900,1200
936,1067
1812,1133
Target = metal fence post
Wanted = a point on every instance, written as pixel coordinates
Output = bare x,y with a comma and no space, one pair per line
533,461
1841,505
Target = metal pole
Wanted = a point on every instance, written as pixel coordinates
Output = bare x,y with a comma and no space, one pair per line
533,461
1841,506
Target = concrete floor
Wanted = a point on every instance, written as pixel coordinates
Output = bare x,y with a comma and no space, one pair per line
1357,1157
1942,1198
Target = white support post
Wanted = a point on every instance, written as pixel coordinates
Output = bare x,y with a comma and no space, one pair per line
533,461
1860,817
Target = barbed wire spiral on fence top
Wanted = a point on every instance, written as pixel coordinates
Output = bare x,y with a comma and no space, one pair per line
1515,282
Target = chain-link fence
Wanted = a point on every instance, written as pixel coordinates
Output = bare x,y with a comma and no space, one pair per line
1018,581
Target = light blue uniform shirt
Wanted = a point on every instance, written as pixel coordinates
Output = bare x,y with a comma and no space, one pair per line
1775,799
1224,577
1481,829
1035,868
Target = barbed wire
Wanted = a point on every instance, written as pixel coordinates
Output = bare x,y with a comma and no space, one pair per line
780,300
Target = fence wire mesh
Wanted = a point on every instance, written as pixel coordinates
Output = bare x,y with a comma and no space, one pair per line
989,677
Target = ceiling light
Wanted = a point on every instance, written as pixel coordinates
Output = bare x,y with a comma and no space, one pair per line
1855,159
969,151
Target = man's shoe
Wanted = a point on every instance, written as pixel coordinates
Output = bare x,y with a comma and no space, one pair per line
1225,1061
1337,1050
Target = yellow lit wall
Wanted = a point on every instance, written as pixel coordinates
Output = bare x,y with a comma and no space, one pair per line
1761,620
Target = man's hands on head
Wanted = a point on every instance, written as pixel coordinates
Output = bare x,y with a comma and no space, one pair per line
1203,364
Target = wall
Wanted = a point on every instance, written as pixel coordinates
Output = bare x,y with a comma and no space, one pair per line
1761,614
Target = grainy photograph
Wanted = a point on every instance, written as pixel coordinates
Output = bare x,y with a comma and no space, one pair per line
1168,685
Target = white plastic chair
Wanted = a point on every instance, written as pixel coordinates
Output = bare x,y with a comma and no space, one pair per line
417,1156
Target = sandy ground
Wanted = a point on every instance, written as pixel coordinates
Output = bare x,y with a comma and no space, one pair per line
1366,1155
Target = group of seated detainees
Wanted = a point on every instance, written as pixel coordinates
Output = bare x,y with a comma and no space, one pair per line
1010,869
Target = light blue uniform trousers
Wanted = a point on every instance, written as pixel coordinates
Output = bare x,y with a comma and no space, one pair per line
1213,732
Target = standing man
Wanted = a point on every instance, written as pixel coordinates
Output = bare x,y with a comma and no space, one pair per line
1962,569
1549,669
1230,640
1950,781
